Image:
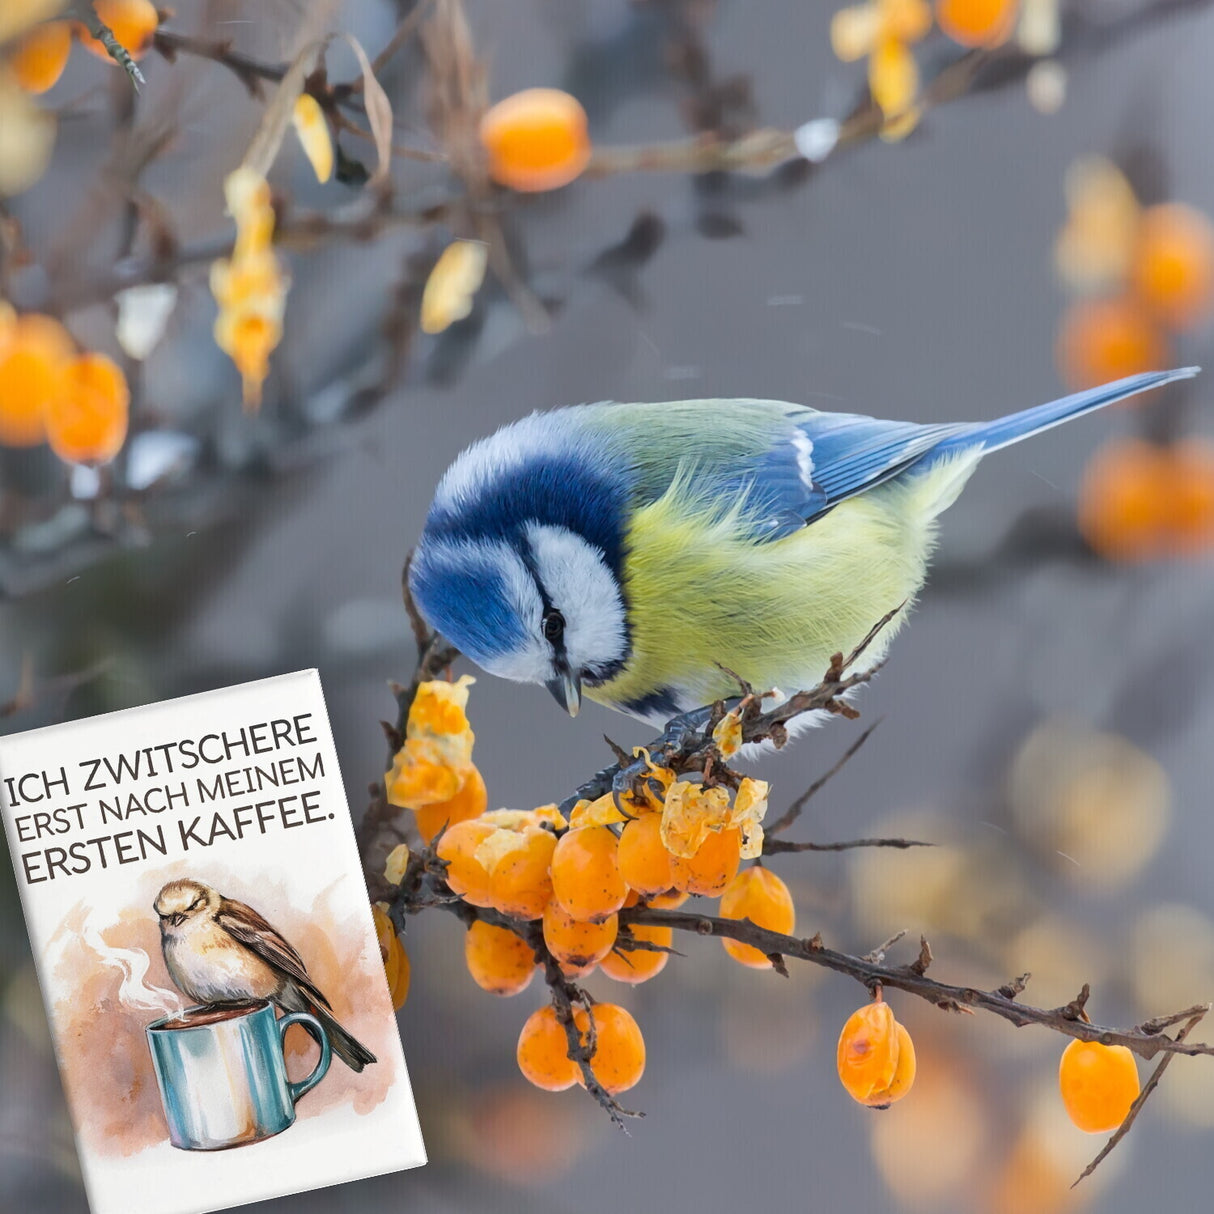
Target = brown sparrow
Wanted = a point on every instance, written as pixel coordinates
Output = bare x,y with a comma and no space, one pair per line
219,950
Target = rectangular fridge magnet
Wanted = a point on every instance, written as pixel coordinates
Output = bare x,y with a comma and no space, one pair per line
212,974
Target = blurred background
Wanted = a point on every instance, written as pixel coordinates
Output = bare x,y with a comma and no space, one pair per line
1047,714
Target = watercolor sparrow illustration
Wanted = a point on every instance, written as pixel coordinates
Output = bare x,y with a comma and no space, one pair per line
219,950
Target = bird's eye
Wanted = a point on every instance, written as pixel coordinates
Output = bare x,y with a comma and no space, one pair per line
553,626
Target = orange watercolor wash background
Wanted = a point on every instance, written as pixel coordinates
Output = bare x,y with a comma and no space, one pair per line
104,1057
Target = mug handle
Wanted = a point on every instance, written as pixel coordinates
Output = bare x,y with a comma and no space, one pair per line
326,1053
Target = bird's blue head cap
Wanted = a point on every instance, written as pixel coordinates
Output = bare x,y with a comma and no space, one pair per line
519,561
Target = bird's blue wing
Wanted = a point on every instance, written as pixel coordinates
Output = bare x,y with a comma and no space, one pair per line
826,458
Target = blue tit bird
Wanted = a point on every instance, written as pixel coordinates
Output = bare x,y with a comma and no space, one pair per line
628,552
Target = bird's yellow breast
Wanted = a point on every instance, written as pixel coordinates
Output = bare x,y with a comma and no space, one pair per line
701,592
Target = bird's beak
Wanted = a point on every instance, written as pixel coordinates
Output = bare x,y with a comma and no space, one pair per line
566,690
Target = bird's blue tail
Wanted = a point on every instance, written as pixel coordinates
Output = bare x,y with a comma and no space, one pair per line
1011,429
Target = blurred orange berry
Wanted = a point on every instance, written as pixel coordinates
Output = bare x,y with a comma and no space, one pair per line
713,866
33,364
635,965
1106,339
759,895
132,22
543,1052
618,1061
499,961
1098,1084
39,58
1173,264
577,943
977,22
466,874
1123,500
1192,496
536,140
586,873
470,802
644,860
87,422
396,960
875,1056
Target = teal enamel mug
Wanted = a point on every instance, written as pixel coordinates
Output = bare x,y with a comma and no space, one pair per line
222,1074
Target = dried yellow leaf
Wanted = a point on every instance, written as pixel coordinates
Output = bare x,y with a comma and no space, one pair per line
728,733
312,129
395,865
690,812
602,812
453,284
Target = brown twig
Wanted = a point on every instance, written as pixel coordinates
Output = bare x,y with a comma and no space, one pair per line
1145,1040
774,847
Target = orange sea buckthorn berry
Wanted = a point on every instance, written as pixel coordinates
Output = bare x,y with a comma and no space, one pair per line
536,140
1098,1084
543,1053
644,861
466,875
1191,517
876,1057
132,22
33,365
498,960
1173,264
87,422
977,22
712,868
759,895
396,960
520,884
470,802
577,943
636,965
586,877
671,900
1124,500
41,55
618,1061
1105,339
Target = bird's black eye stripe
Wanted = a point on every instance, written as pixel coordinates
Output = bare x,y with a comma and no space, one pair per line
553,625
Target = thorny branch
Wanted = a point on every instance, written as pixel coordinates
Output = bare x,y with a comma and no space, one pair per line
687,746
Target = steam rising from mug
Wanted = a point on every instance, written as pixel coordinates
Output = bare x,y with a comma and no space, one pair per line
134,993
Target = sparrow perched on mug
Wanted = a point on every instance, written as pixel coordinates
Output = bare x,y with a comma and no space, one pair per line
629,552
219,950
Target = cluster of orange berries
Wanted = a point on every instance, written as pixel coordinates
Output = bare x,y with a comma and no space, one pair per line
52,393
38,58
1140,274
573,877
